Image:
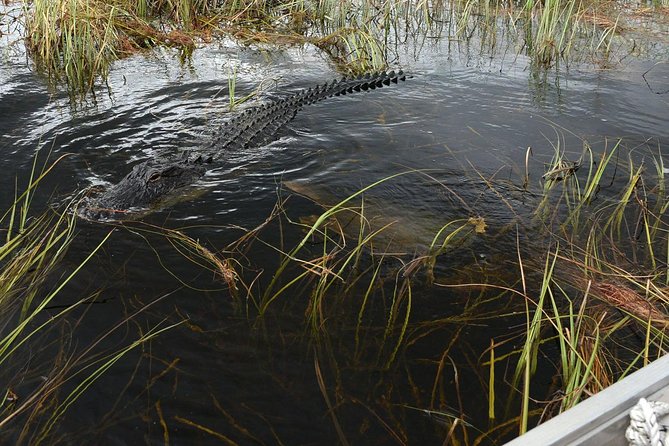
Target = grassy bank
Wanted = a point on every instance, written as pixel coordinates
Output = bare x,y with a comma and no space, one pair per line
76,41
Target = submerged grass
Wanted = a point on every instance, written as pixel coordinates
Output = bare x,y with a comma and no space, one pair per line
599,285
600,282
593,305
38,360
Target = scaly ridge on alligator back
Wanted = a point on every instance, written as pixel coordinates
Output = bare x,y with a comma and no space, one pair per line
153,181
262,121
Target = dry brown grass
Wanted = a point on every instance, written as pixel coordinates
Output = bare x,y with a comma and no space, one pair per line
626,299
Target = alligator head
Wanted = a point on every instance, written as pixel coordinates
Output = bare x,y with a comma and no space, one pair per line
149,184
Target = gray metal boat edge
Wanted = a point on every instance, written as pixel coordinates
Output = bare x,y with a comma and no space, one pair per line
602,418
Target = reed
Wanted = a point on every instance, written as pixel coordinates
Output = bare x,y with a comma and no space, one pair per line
37,357
76,41
73,41
271,293
547,31
580,287
591,277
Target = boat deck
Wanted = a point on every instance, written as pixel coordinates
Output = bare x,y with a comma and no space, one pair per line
603,418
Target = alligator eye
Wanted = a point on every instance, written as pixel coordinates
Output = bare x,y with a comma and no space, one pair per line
154,177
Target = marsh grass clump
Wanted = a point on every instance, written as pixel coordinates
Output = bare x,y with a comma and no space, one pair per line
76,41
547,31
602,296
73,41
189,14
552,32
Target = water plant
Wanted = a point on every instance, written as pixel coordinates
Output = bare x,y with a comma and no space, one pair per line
580,299
597,284
76,41
479,352
42,373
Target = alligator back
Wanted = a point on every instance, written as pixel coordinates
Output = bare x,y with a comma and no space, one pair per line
258,124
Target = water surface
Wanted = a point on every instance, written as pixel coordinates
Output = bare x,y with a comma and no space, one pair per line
456,124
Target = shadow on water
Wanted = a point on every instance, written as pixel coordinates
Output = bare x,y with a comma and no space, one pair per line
404,315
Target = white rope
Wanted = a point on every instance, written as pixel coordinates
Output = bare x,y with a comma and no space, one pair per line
644,428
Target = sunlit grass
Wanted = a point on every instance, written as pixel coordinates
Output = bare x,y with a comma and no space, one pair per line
547,31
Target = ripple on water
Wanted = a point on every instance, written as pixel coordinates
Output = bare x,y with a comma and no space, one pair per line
452,127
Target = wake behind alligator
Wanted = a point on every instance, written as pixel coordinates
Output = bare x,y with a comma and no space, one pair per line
156,180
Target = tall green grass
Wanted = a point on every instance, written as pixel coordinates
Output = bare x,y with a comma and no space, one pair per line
76,41
547,31
598,282
73,41
582,287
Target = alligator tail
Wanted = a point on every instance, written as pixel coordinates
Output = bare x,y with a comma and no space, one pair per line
345,86
258,124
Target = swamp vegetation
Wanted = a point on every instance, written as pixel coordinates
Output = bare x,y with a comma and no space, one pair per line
76,41
447,296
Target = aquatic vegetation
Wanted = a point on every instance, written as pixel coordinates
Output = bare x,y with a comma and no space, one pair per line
549,32
76,41
477,352
598,284
42,372
447,340
73,40
575,305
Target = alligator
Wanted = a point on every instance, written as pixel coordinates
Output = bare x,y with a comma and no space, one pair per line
155,181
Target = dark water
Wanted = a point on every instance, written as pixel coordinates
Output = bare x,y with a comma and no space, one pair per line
256,381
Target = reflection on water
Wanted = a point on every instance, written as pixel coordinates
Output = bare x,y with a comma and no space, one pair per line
464,134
